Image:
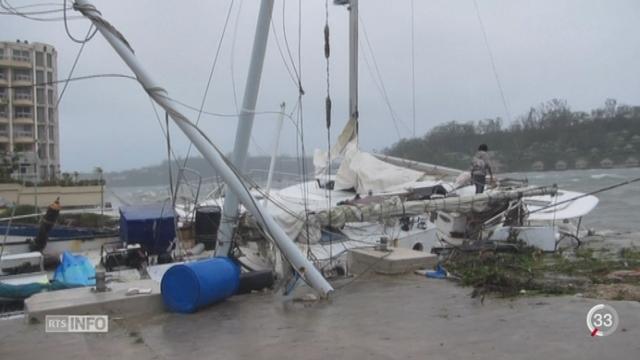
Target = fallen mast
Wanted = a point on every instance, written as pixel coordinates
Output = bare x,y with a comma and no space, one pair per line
216,159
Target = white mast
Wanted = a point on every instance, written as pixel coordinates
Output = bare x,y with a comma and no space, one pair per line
245,124
299,262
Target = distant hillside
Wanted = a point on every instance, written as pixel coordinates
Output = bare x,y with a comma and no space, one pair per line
551,136
159,174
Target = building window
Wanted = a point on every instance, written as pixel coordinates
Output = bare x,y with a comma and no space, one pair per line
21,75
51,116
21,55
41,133
39,59
3,111
40,96
22,93
23,131
50,96
23,112
52,134
1,53
39,77
49,61
50,77
3,131
3,74
3,93
52,153
40,113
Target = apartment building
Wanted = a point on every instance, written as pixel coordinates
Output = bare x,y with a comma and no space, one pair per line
29,130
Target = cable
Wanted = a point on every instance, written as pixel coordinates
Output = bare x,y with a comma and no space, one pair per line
493,62
206,90
66,27
382,87
11,10
286,43
75,63
413,70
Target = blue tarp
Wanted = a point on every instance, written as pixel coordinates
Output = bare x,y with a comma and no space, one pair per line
75,270
151,226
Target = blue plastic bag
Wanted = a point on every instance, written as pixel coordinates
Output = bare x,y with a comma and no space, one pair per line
75,270
438,273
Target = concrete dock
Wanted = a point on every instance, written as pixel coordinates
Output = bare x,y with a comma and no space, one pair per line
378,317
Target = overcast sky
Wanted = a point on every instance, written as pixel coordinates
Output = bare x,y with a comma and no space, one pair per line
583,51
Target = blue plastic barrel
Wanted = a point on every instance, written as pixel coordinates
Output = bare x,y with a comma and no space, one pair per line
191,286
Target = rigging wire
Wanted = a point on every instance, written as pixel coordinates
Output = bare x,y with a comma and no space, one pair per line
327,54
382,87
11,10
288,48
75,63
211,72
66,27
493,62
282,57
413,70
232,57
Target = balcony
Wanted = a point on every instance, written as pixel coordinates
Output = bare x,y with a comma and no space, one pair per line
22,81
23,137
23,119
4,136
22,100
17,62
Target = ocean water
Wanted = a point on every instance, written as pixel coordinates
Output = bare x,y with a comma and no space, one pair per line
618,210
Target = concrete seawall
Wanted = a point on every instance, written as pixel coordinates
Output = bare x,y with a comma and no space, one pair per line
70,196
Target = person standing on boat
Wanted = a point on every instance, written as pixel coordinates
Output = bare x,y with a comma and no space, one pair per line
480,166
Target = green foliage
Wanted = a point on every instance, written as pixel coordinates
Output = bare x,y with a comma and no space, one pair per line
508,273
89,220
22,210
548,133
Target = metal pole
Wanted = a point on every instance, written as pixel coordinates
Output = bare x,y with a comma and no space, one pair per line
245,124
274,154
299,262
353,63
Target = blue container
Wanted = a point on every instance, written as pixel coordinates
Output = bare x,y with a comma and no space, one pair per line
151,226
191,286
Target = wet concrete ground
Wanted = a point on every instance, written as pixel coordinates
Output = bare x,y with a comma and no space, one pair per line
406,317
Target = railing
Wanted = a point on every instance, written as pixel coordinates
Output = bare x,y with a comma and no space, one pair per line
23,96
28,134
22,77
24,115
21,58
